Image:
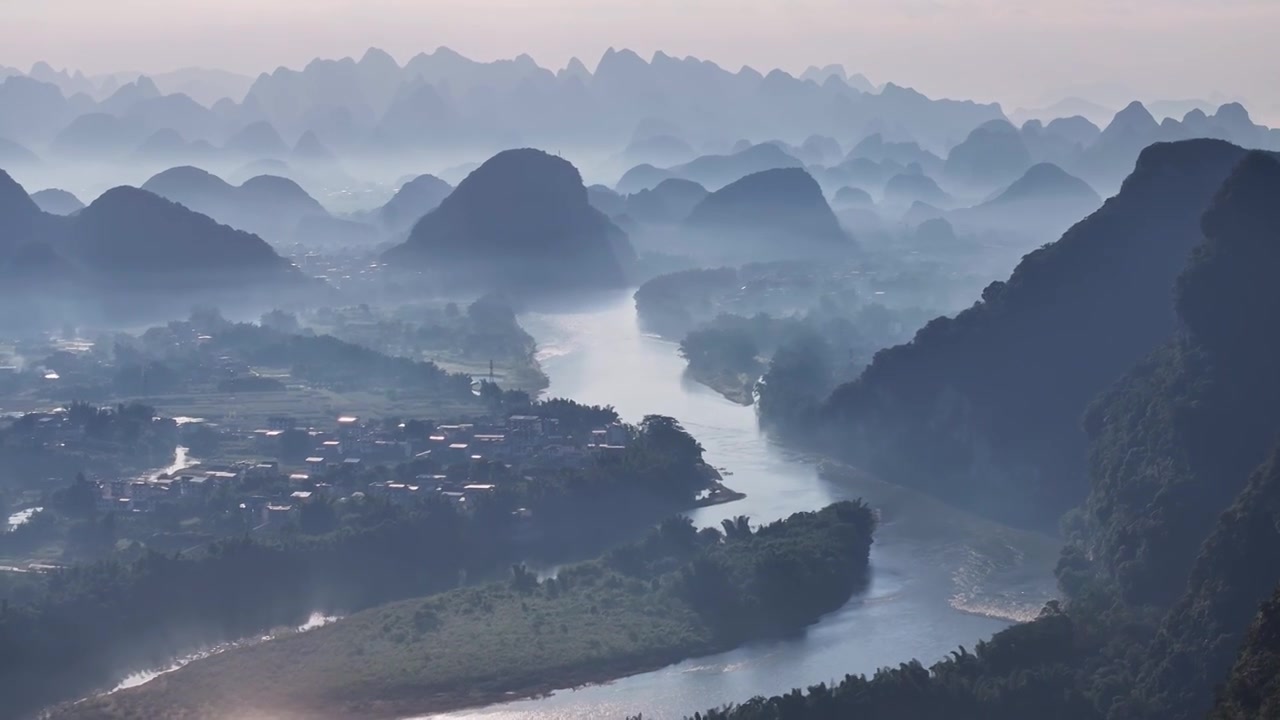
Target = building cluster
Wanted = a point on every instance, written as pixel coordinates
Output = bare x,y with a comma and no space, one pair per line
324,465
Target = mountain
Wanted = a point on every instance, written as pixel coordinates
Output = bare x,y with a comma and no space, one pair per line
419,115
716,171
1045,201
204,85
606,200
20,217
1060,146
12,154
144,241
642,177
821,150
1208,401
97,135
1046,183
903,153
1068,107
57,202
769,215
994,154
114,259
128,95
520,222
31,110
1237,569
414,199
912,187
309,149
1253,688
268,206
983,408
849,196
258,140
659,150
1113,153
669,202
1074,129
442,97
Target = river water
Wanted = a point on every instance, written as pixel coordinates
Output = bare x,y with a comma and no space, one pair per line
941,578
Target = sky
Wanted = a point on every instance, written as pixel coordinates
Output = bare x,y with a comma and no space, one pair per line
1018,52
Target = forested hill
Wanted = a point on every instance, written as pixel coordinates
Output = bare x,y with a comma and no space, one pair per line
678,593
1175,444
1179,542
1253,689
984,408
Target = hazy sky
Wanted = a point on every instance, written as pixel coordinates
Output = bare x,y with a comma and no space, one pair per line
1014,51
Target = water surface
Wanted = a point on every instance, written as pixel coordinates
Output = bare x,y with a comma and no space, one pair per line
941,578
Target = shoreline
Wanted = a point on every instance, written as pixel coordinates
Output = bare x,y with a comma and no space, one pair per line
736,388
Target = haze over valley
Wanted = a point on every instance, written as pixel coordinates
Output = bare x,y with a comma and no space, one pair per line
421,382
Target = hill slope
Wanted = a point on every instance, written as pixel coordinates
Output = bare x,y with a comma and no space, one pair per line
984,408
520,221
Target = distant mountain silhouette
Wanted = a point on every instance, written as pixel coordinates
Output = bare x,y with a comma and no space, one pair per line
934,234
270,207
12,154
849,196
994,154
1045,201
1048,183
1112,155
659,150
164,144
910,187
259,140
57,202
309,149
606,200
875,147
820,150
717,171
520,222
131,233
974,402
128,248
97,135
642,177
774,214
669,202
413,200
1076,129
442,97
31,110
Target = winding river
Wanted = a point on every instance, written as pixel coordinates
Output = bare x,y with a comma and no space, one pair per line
941,578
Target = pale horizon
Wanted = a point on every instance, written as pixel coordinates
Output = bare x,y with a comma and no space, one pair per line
984,50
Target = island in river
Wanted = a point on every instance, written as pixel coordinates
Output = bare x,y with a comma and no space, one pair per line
681,592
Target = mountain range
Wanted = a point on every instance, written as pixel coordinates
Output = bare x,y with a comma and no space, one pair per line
115,258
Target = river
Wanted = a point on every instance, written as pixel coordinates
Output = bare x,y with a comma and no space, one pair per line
941,578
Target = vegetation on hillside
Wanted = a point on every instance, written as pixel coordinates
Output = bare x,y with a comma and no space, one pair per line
678,593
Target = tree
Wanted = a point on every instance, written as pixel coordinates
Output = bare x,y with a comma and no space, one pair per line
281,321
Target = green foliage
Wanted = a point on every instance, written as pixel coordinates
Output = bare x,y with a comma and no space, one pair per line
1253,689
687,594
983,408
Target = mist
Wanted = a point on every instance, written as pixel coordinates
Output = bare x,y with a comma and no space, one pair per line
679,354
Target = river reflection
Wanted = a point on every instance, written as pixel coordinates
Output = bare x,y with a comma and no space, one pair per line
941,578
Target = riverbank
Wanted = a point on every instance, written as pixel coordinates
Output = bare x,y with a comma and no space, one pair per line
678,594
737,388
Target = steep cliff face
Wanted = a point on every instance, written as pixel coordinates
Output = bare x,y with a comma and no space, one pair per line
984,408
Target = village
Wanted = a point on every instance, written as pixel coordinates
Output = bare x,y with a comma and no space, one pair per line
298,466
